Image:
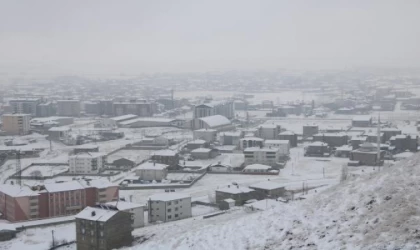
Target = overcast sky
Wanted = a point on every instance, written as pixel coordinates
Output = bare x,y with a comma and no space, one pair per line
133,37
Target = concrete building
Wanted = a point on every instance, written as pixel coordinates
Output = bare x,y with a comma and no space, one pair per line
191,145
208,135
68,108
140,108
362,121
204,153
219,167
87,163
16,124
266,156
290,136
167,157
169,207
269,131
151,171
235,192
248,142
390,132
310,130
25,106
136,211
151,122
46,109
231,138
58,133
54,199
332,139
367,154
103,229
268,189
224,108
317,148
401,143
282,145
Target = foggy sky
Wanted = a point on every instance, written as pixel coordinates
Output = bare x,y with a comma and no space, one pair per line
132,37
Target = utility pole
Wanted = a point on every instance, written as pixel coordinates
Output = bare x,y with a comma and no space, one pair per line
53,242
378,142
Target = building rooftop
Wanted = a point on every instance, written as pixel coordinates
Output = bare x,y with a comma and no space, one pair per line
197,142
147,119
364,118
123,117
16,190
124,205
257,167
201,150
252,138
96,214
267,185
276,142
287,133
63,187
233,189
258,149
165,152
152,166
87,155
61,128
169,196
318,143
215,120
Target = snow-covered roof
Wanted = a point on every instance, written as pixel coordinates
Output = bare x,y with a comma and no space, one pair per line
270,126
215,121
87,155
124,205
229,200
201,150
267,185
287,133
364,118
252,138
198,141
331,134
318,143
7,227
169,196
147,119
390,129
233,189
344,148
96,214
62,128
123,117
63,187
276,142
16,190
98,183
257,167
152,166
165,152
205,130
404,155
232,133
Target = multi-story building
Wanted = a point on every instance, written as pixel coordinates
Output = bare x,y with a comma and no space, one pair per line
140,108
251,141
235,192
103,229
45,109
264,155
16,124
25,106
282,145
167,157
269,131
224,108
68,107
87,163
51,200
169,207
209,135
136,211
150,171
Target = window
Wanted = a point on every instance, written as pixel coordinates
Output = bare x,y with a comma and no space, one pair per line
169,217
169,210
169,203
176,209
176,215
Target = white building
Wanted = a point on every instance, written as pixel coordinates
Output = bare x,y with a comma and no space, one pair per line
225,108
169,207
257,168
251,141
87,163
16,124
282,145
217,122
150,171
231,138
208,135
136,211
266,156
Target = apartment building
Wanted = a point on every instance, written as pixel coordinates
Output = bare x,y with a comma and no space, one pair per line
51,200
169,207
224,108
25,105
68,107
139,108
87,163
103,229
264,155
16,124
269,131
150,171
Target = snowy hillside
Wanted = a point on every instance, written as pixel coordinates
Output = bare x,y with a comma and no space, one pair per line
375,211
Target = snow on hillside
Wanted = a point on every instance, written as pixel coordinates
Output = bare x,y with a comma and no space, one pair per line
374,211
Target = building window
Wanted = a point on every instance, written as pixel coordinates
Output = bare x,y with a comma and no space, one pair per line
169,203
169,210
176,209
176,215
169,217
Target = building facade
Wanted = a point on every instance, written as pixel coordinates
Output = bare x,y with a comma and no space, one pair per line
87,163
16,124
68,108
169,207
266,156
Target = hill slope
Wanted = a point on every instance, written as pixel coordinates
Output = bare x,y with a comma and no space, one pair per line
375,211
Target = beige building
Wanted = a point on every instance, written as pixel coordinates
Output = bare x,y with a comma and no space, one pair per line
169,207
16,124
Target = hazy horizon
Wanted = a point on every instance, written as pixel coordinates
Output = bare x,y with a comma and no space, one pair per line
134,37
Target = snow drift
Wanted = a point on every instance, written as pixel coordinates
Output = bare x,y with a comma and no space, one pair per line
374,211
